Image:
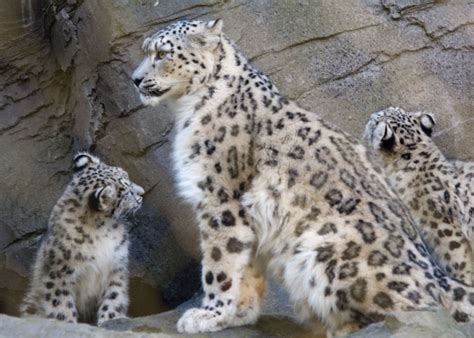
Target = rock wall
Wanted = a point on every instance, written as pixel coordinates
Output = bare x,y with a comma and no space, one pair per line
421,324
65,85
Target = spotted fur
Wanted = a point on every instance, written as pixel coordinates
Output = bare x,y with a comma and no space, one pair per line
428,183
465,187
81,269
275,186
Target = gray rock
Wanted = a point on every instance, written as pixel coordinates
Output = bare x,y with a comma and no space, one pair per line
156,326
267,326
419,324
32,328
64,79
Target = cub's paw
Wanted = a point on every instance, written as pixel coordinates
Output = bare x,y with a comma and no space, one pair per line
198,320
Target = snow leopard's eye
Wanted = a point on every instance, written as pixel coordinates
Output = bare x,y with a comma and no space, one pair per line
160,55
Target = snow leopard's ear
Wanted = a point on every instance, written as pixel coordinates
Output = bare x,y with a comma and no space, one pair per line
82,160
427,123
215,26
383,137
102,199
211,37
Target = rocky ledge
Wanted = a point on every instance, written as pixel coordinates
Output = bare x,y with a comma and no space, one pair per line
419,324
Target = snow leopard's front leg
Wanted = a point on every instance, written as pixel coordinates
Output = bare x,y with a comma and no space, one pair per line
233,289
58,302
114,303
252,291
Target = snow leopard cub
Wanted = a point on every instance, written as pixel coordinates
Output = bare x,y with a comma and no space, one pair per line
81,269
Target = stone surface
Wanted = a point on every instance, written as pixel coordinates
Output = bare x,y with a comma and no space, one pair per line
65,85
31,328
420,324
267,326
156,326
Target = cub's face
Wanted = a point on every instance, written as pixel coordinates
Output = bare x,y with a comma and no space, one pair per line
108,189
176,58
396,134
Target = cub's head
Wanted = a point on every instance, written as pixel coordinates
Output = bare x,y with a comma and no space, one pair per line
176,58
103,188
396,134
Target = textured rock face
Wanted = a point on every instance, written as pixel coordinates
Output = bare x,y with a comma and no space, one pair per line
65,85
422,324
157,326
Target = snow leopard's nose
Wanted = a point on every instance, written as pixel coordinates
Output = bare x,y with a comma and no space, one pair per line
137,80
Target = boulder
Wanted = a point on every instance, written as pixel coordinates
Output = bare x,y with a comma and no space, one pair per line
420,324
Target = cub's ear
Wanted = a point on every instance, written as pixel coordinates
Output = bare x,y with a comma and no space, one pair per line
383,137
103,198
427,123
83,160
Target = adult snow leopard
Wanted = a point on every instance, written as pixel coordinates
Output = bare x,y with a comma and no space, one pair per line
273,184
